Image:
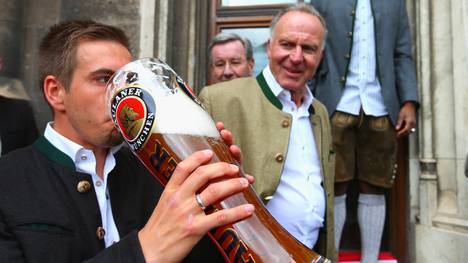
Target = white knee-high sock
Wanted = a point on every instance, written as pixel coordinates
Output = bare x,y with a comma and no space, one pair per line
371,218
340,218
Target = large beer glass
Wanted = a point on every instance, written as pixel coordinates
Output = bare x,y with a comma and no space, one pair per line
163,122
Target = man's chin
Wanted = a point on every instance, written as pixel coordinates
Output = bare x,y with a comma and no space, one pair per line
292,85
115,138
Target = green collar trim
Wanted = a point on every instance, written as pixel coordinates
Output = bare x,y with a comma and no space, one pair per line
52,153
271,97
267,91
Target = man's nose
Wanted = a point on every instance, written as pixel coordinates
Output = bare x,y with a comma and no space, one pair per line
228,72
297,55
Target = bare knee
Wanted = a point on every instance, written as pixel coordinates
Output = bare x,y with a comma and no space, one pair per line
341,188
367,188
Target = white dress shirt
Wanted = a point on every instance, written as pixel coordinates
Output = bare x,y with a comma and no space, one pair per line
85,162
299,201
362,87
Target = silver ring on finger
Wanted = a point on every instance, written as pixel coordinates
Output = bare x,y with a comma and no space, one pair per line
200,201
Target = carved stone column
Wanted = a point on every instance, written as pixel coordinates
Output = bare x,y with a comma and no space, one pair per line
441,228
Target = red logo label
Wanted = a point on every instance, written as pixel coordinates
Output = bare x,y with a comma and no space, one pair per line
132,110
131,114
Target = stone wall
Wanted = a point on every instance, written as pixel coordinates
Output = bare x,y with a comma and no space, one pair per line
439,188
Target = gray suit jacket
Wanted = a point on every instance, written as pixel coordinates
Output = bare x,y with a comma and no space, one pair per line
395,67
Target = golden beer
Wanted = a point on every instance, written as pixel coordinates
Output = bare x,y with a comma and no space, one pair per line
163,123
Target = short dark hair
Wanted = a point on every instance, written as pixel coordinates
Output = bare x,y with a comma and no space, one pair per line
57,52
225,37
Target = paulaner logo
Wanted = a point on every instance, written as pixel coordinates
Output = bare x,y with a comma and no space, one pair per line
132,110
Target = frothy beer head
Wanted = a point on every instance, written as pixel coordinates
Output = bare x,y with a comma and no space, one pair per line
147,96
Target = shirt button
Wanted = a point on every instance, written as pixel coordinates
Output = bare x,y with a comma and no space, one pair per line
84,158
349,34
279,157
98,183
83,186
285,123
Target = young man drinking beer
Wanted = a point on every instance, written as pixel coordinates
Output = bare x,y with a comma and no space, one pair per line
77,195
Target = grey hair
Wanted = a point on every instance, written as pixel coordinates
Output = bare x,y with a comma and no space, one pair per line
225,37
303,8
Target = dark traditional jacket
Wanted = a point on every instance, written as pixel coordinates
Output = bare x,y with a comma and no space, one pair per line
253,114
17,126
394,63
45,218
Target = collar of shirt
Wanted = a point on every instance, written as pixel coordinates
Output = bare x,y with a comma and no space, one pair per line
72,149
284,95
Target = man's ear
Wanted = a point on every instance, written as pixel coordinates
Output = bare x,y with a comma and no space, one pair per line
251,64
211,78
54,93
